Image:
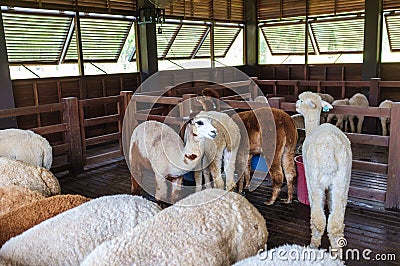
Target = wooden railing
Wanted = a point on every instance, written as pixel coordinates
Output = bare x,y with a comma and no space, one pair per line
69,128
108,137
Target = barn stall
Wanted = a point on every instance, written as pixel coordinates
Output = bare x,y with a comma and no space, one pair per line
73,89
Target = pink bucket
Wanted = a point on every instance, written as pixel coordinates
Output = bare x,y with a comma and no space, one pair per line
302,192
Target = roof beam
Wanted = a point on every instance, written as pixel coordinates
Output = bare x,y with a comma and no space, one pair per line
6,92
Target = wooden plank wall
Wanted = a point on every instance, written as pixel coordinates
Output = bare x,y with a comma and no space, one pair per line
34,92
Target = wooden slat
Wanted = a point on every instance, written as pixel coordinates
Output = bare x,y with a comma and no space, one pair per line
29,110
245,105
368,139
103,157
103,139
60,168
60,149
50,129
100,100
159,118
101,120
379,168
288,106
156,99
367,193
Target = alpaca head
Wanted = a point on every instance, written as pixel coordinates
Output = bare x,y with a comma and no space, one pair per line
201,127
311,103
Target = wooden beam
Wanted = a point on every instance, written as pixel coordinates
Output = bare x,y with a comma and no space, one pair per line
6,92
251,33
79,48
372,39
147,44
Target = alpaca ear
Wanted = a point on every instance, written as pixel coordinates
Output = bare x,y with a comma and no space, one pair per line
326,106
311,104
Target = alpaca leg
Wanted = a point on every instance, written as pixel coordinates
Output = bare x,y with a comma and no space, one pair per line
229,168
198,176
136,178
337,207
207,177
360,124
329,118
215,169
161,188
289,169
318,219
339,123
384,128
176,189
352,126
247,172
240,168
276,170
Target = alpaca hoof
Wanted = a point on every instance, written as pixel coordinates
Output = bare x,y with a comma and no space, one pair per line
269,202
287,201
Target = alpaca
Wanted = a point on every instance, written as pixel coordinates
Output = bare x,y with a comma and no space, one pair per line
13,196
254,124
210,227
157,146
26,146
326,97
385,120
341,118
223,147
327,161
358,99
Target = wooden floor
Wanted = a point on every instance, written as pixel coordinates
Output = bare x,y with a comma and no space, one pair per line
368,224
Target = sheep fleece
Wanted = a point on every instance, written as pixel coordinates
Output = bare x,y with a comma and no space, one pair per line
210,227
69,237
12,197
21,219
14,172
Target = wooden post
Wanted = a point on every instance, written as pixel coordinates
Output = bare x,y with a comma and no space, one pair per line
253,88
296,89
73,136
393,177
275,102
122,108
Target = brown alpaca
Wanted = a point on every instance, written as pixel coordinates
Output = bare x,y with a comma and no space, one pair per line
251,123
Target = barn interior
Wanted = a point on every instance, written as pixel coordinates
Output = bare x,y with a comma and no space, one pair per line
75,71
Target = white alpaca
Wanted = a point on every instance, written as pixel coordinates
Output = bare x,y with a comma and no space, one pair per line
26,146
341,118
210,227
358,99
157,146
223,148
327,161
36,178
385,120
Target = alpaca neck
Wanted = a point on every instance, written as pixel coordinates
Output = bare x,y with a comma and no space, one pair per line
311,121
192,153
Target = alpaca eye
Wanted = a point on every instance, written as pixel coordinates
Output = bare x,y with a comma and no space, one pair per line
200,123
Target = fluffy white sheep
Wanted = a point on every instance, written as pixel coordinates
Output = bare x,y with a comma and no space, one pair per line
327,161
12,197
341,118
210,227
69,237
385,120
292,255
26,146
358,99
36,178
